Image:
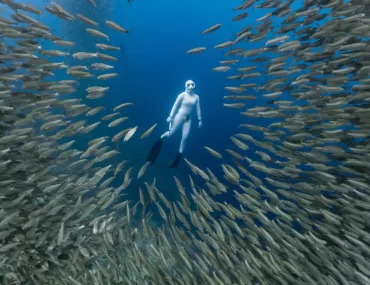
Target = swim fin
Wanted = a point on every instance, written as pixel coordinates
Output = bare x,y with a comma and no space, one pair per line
154,152
175,163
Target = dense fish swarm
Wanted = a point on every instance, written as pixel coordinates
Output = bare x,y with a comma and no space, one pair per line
305,222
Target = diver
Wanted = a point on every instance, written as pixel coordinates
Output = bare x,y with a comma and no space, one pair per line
180,116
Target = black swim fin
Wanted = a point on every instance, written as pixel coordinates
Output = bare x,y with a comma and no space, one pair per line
175,163
154,152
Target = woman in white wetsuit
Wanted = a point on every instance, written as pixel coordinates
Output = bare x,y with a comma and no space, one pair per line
180,116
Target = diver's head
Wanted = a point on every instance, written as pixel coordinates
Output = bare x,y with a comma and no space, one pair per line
189,86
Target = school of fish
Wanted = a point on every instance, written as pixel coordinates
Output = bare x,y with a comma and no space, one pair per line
306,222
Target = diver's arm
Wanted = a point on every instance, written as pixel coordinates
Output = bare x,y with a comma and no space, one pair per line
199,113
175,107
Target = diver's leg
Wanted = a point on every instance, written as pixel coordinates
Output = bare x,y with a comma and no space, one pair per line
165,135
156,148
185,134
176,124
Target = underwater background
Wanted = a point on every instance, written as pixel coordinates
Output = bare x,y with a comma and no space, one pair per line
292,207
153,67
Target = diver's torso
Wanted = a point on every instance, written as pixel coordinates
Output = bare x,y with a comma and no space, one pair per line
187,104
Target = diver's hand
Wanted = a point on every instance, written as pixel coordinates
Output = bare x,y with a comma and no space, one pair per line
169,120
200,124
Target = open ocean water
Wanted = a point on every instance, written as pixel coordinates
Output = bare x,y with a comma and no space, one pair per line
273,188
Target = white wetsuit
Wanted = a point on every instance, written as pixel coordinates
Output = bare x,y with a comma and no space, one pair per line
181,115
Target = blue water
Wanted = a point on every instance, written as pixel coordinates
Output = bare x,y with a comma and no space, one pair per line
153,67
